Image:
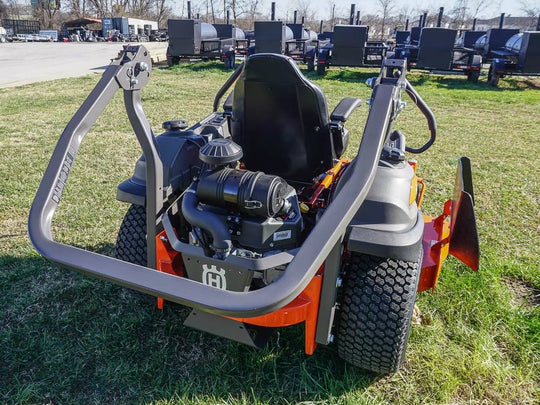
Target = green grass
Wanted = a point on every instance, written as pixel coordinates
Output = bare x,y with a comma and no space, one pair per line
67,338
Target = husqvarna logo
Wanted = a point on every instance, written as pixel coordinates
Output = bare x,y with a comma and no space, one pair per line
214,277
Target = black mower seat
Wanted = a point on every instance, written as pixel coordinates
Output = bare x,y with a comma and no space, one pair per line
281,120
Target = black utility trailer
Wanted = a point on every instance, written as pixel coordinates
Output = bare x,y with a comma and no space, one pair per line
240,42
467,39
189,39
402,37
495,39
350,47
436,52
415,35
251,218
271,37
304,45
520,56
293,40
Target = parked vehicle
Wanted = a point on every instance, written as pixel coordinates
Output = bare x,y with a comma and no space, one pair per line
436,51
194,39
253,218
494,39
350,47
520,56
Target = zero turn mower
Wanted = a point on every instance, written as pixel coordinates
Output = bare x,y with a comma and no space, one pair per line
253,219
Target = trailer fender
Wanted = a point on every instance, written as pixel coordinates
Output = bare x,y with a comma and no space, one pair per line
311,52
499,65
325,54
476,61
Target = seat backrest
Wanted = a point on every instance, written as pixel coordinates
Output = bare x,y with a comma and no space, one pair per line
436,48
281,120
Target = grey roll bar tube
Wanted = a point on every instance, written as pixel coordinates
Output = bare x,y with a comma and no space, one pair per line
228,83
314,251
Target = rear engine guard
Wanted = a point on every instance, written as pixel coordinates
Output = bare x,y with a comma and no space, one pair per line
131,72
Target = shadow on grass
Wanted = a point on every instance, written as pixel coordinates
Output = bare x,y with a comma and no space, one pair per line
68,338
343,75
199,66
461,82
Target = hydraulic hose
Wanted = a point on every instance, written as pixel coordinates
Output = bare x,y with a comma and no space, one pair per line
208,221
432,123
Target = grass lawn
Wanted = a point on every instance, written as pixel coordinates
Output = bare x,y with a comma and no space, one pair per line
67,338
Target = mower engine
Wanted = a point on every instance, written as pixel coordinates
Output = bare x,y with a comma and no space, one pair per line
239,212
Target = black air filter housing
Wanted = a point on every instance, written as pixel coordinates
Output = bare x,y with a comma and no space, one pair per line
220,152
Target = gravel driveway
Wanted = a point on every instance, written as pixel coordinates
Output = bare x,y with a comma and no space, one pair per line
24,63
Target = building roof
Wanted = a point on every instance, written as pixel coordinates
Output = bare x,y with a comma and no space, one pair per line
82,21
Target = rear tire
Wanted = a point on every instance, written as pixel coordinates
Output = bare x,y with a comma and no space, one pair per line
320,69
131,240
376,312
493,76
473,76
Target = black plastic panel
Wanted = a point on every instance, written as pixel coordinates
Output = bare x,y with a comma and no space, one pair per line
436,48
529,55
281,120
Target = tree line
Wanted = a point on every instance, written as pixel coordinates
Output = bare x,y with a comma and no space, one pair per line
389,16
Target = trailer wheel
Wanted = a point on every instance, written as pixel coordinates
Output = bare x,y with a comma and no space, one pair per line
376,311
311,65
231,58
493,76
473,76
320,69
131,240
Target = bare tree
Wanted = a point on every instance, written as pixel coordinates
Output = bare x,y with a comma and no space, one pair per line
305,9
386,7
46,11
532,11
477,6
459,13
252,11
3,10
163,11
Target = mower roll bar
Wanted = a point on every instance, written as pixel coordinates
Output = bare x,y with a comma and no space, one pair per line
228,83
131,72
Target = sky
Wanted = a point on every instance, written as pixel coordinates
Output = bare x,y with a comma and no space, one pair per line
285,8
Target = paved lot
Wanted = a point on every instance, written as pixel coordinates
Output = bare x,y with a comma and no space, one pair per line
24,63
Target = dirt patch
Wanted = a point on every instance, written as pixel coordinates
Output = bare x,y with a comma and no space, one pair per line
524,294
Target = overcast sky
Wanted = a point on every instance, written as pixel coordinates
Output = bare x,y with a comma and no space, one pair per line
493,8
